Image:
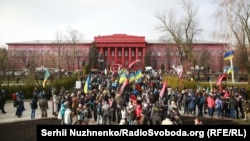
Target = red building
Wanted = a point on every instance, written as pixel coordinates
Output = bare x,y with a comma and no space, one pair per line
116,49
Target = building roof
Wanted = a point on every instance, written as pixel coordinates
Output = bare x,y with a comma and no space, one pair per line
47,42
195,42
90,41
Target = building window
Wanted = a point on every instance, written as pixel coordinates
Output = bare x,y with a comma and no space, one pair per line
219,52
170,53
159,53
119,53
126,62
113,53
133,53
106,53
158,62
126,53
139,53
153,53
113,63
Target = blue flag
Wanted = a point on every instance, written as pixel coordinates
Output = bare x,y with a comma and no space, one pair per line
229,55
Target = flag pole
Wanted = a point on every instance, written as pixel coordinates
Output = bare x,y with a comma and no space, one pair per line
211,85
230,28
232,72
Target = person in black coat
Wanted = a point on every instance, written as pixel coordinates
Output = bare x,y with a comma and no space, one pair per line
2,100
33,106
19,104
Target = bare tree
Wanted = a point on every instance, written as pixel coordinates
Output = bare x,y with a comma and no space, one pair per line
167,57
74,38
3,64
12,66
182,31
235,23
204,61
60,51
24,57
33,62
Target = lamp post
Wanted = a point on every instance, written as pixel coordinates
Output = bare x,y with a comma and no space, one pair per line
44,55
198,74
201,69
193,75
198,69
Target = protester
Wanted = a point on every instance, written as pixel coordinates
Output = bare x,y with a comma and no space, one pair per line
33,106
197,121
2,101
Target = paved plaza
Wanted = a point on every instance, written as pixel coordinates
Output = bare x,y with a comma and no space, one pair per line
11,111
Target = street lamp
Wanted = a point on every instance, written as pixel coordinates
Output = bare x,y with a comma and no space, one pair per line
43,54
192,69
201,69
198,69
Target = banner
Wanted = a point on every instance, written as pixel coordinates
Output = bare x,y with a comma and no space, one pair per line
179,70
78,84
163,89
220,79
132,63
123,86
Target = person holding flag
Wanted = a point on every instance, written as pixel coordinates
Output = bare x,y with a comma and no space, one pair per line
229,56
87,85
46,77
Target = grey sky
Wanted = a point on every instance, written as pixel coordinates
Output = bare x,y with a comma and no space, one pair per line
26,20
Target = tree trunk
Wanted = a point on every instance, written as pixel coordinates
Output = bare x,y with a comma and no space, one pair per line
248,78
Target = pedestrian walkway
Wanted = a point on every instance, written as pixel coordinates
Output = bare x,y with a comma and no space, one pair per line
11,111
10,116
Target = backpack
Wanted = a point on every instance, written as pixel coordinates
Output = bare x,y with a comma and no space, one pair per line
99,109
14,96
40,95
218,104
202,100
89,114
185,98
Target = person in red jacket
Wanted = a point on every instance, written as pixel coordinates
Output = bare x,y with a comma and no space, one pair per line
210,105
226,94
138,111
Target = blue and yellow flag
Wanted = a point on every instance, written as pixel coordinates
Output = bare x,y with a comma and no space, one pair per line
131,77
86,85
230,70
122,78
138,74
229,55
46,77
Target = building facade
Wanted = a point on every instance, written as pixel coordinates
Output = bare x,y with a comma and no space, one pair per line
119,49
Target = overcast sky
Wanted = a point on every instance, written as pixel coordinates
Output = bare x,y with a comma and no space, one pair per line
27,20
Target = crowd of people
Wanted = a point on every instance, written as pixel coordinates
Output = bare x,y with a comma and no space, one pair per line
139,103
